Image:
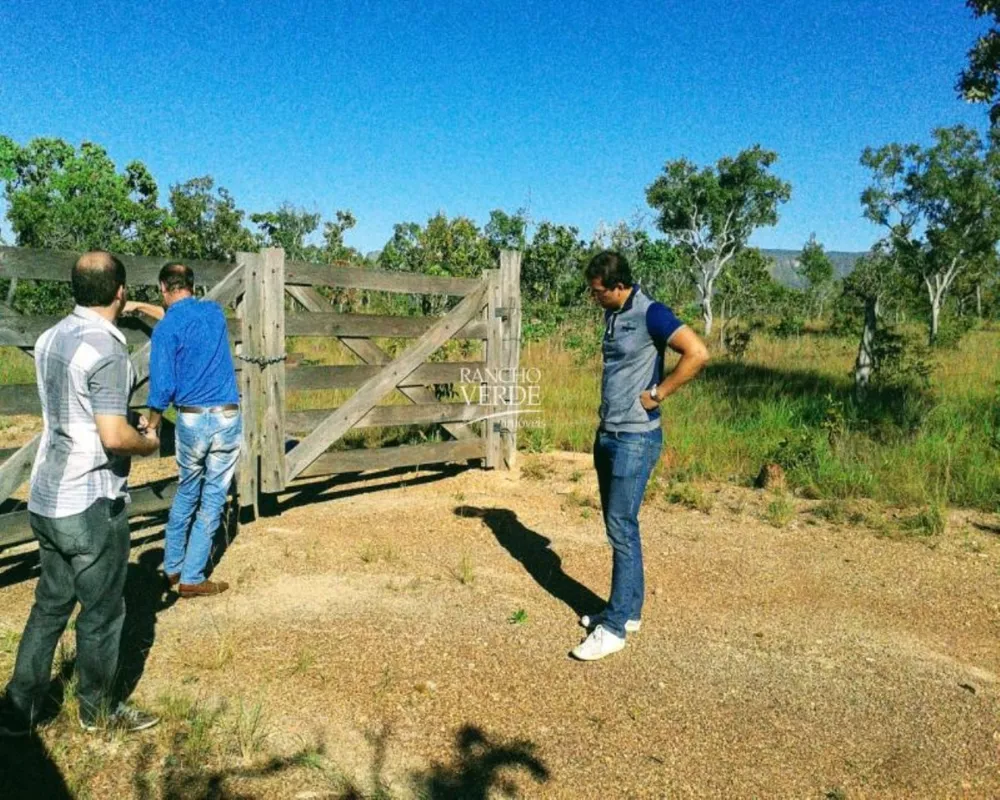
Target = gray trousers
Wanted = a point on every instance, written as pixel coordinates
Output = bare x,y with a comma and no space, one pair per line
83,558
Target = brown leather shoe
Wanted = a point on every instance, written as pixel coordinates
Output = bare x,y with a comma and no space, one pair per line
203,589
173,580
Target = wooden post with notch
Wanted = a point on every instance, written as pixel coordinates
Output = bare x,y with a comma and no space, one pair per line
249,311
271,346
510,298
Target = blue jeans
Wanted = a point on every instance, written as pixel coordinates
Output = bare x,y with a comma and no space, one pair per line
83,559
208,447
624,462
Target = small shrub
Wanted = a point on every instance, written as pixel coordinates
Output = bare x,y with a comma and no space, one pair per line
929,521
833,510
249,729
536,440
952,328
798,453
465,573
518,617
790,325
690,496
536,470
780,511
737,340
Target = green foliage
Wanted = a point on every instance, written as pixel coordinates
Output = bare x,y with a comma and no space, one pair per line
506,231
744,289
710,213
792,323
797,453
288,228
952,329
940,205
552,269
979,82
815,266
62,198
816,269
205,223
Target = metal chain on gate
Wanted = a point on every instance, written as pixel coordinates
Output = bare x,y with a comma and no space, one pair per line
263,361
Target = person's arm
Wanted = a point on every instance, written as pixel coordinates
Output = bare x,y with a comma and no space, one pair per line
150,310
162,375
108,387
694,356
122,439
668,331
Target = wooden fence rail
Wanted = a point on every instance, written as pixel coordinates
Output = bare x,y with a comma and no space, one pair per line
282,446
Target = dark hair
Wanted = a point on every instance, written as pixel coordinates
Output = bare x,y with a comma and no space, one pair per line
611,267
177,276
96,278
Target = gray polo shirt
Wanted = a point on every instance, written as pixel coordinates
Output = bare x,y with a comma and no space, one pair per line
83,369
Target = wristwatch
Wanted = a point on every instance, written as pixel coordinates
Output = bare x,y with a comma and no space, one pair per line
652,394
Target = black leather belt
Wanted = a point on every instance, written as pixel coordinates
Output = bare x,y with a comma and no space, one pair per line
204,410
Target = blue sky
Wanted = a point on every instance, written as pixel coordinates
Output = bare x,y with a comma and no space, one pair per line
397,110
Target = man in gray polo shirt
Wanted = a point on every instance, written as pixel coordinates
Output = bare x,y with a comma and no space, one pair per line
637,331
77,504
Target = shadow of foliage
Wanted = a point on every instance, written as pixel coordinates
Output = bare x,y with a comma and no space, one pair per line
482,767
479,767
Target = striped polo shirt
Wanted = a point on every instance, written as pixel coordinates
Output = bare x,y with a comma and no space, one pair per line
83,369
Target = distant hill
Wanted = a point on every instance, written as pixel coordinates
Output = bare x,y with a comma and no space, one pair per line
786,260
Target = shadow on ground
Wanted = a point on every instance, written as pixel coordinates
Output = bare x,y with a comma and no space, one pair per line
481,767
534,553
145,598
27,771
339,486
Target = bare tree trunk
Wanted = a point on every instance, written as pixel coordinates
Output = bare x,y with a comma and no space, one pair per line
865,364
705,289
979,300
935,317
11,291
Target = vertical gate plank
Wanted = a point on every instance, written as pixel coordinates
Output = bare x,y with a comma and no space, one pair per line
494,338
250,383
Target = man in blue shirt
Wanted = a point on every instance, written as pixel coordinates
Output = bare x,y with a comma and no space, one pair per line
637,331
190,366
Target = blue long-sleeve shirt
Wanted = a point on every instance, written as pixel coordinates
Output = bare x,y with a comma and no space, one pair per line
190,363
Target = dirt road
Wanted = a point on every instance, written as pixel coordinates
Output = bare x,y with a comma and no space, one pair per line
417,635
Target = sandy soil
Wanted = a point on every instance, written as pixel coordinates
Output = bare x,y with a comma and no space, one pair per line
379,624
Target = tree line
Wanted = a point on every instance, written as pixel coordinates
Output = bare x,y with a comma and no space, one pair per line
939,206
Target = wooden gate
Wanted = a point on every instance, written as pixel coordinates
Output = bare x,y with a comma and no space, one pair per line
273,458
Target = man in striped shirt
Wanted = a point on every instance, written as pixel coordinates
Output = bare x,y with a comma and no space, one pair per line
77,504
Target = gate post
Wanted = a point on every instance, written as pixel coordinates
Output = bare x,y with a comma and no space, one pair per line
272,349
262,379
510,296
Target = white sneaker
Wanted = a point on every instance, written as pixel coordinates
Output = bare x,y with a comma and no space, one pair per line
599,644
588,622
